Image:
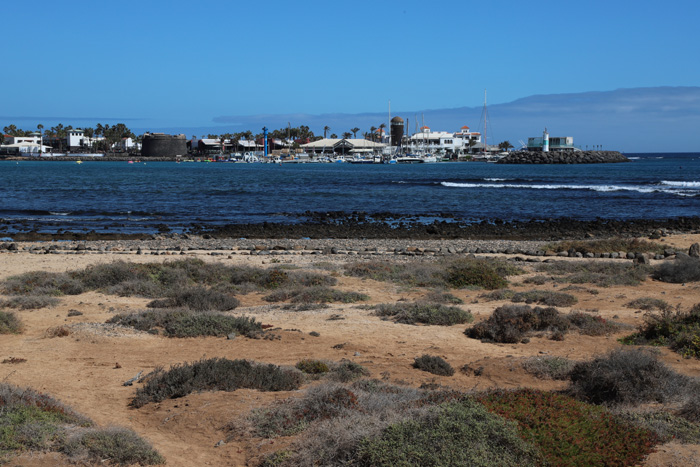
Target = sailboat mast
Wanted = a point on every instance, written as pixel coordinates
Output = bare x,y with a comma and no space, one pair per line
389,126
486,119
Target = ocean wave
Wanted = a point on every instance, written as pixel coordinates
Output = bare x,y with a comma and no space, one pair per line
599,188
681,184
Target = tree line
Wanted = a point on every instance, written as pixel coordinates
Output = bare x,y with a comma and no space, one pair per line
115,133
111,134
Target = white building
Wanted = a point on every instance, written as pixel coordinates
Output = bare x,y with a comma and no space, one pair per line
74,138
442,142
125,144
24,145
343,146
32,140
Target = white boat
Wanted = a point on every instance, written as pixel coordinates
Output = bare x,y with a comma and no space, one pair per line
416,159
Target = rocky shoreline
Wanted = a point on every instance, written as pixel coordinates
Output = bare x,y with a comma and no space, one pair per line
563,157
333,225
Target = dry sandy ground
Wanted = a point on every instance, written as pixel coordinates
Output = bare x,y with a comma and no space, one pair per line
87,368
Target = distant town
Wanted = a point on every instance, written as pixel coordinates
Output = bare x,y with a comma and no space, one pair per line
291,144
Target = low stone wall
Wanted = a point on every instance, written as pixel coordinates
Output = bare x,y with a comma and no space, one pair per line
559,157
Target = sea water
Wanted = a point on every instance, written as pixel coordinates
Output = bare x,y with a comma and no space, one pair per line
123,197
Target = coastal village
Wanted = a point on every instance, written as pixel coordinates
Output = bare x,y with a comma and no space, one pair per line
286,145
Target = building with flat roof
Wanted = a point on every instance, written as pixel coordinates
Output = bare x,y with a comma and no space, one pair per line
546,143
443,142
343,146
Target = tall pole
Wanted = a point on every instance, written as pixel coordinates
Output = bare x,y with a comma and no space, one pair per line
265,141
486,118
389,123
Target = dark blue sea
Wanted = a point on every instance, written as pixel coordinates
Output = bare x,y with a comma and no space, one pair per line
141,197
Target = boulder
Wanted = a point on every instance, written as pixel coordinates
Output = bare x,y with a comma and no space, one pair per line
641,258
694,251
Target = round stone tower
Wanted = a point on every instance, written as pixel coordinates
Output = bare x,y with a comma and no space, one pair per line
396,131
162,145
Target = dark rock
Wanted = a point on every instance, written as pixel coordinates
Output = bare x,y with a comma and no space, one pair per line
694,251
558,157
641,258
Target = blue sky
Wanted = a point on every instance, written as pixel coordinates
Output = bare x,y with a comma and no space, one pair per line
157,64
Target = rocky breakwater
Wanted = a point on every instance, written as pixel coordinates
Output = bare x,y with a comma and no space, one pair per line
563,157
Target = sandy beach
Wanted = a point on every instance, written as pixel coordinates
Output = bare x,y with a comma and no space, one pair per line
86,368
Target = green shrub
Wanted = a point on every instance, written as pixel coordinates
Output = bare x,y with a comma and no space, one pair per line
117,445
540,297
545,297
665,425
347,371
679,330
474,273
312,367
503,294
600,273
454,273
457,433
684,269
626,376
690,410
188,323
102,276
589,325
216,374
511,323
42,283
338,419
537,280
375,270
30,302
423,312
197,299
294,415
314,294
569,432
433,364
156,280
648,304
443,297
9,323
32,421
549,367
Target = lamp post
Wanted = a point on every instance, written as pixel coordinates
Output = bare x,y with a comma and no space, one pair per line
264,129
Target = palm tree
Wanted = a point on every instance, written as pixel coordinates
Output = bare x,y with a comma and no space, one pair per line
381,133
354,132
326,129
346,135
372,131
505,145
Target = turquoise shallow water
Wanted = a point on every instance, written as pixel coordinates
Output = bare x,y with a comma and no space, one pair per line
121,197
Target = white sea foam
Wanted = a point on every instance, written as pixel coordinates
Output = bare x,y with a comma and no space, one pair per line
681,184
59,213
600,188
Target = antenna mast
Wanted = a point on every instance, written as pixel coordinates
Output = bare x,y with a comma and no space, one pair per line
486,119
